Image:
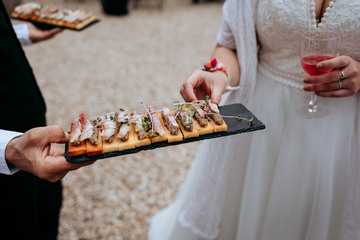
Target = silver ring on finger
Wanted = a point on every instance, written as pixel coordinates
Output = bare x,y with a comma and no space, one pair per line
342,76
339,84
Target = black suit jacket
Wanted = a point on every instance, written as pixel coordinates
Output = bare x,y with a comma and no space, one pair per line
31,206
21,104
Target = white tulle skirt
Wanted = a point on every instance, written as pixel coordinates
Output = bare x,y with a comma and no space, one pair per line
287,182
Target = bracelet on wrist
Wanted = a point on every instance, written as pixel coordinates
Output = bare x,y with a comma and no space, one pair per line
215,65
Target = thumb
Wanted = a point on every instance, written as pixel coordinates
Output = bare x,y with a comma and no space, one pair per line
54,134
53,32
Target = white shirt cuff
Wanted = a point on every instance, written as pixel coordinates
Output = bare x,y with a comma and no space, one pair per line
22,33
5,138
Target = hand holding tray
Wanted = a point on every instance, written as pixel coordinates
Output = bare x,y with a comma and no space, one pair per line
51,16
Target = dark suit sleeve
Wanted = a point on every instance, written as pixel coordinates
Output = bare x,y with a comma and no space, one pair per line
22,105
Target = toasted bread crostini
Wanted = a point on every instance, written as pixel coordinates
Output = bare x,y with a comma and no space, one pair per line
171,126
141,137
157,132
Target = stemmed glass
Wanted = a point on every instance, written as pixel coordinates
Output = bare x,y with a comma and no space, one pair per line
315,48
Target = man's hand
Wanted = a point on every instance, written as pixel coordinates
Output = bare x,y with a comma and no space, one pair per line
33,152
38,35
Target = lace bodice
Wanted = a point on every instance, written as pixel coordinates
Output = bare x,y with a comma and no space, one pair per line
280,23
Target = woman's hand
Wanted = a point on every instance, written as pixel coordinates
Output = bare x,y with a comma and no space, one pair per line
199,84
330,84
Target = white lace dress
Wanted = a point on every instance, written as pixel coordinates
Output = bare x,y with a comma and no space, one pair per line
298,179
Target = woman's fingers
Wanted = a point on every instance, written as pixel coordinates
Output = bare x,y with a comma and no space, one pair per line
343,81
187,92
337,62
332,76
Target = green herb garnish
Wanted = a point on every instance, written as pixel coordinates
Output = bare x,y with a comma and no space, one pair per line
239,118
146,124
153,135
207,99
192,112
188,105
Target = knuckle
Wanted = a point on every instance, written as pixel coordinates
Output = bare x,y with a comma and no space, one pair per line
355,72
52,179
344,60
43,175
182,88
201,73
58,129
195,73
31,135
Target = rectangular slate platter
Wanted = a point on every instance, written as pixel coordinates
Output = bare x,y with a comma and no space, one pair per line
234,127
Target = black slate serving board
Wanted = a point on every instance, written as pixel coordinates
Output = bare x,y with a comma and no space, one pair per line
234,127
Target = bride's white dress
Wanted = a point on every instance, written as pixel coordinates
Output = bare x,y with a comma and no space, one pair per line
295,180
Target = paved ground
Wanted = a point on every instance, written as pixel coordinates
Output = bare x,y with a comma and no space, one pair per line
115,63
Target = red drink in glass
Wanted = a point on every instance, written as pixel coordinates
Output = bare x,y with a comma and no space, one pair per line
316,47
309,64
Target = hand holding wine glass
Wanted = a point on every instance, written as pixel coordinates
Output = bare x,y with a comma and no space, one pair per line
316,48
342,82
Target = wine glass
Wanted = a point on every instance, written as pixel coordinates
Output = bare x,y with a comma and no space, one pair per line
315,48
